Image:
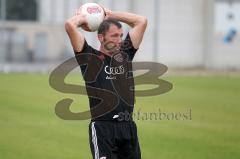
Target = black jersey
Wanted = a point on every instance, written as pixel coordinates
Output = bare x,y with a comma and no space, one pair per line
109,77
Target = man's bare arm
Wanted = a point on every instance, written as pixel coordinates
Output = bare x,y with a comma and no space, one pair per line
137,22
71,26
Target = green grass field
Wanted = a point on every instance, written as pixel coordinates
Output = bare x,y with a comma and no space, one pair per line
31,130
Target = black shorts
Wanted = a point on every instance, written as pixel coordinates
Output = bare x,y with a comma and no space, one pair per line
114,140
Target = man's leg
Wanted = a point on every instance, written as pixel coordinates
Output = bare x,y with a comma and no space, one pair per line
129,147
101,140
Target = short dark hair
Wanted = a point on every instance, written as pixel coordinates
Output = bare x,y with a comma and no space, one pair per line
105,25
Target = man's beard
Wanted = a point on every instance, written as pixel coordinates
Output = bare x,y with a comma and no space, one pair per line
110,46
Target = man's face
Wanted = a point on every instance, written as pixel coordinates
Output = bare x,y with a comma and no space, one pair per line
112,39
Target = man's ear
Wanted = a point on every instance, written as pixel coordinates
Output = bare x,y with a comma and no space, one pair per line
100,37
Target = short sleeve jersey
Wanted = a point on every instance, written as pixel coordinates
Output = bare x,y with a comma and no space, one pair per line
113,74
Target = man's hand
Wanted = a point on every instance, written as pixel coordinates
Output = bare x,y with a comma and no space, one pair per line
107,12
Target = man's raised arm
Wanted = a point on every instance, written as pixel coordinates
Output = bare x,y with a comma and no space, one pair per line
71,26
137,22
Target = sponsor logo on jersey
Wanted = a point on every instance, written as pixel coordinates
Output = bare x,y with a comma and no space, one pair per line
118,58
113,71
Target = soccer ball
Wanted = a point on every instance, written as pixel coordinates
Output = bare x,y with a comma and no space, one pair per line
94,15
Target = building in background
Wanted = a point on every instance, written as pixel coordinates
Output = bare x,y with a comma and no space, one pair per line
180,33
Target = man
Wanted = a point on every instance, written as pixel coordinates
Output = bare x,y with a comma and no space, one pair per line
113,134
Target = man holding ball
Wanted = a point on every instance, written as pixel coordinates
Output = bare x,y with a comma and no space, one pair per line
112,135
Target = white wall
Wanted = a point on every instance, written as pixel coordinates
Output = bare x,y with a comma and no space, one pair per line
55,39
146,51
181,33
224,55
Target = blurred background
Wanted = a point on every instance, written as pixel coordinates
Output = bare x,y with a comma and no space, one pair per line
180,33
198,40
